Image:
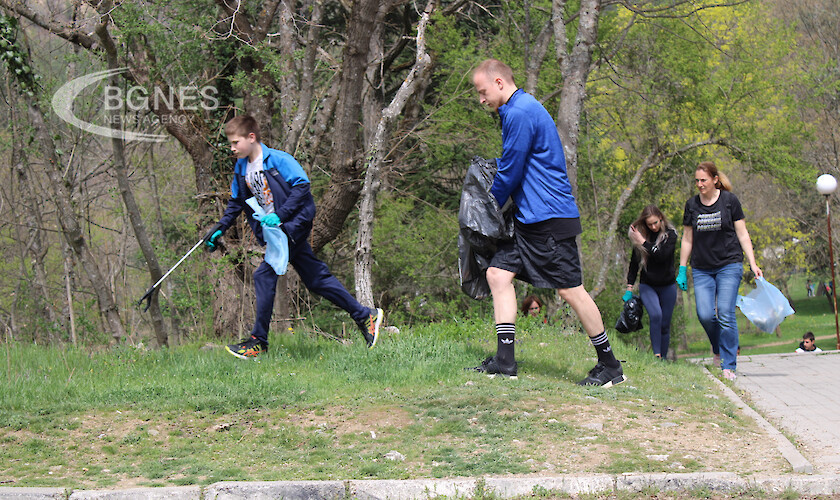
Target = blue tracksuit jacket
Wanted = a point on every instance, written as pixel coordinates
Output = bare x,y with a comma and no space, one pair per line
293,202
532,169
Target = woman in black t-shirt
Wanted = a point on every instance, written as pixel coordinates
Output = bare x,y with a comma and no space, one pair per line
715,236
654,242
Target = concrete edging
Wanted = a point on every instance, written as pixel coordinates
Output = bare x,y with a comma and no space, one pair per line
722,482
287,490
164,493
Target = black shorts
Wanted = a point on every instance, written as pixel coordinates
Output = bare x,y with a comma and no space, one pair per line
542,261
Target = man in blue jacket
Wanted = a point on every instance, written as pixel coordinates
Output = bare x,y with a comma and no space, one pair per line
281,187
532,171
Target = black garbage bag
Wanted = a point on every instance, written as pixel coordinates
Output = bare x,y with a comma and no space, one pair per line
630,318
483,224
472,266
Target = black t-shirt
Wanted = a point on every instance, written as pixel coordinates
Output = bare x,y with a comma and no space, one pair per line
715,243
659,270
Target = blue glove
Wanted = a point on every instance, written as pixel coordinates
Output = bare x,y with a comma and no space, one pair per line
682,279
627,296
270,220
211,241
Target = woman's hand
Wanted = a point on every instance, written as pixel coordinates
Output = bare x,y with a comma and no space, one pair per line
635,236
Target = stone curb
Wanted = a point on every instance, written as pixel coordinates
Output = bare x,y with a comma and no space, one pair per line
721,482
287,490
13,493
169,492
798,462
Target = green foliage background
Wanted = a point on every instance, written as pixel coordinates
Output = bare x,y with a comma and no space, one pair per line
658,83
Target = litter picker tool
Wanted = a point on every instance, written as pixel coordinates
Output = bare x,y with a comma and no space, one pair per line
148,295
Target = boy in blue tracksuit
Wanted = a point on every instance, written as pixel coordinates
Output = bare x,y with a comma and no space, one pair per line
281,187
543,252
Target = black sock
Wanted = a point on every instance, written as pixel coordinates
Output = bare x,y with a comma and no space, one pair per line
602,347
505,332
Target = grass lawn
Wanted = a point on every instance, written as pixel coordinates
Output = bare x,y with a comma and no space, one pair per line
318,409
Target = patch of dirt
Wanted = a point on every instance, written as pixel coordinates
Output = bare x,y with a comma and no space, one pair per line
345,421
594,436
639,432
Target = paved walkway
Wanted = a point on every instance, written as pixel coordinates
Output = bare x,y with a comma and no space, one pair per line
800,394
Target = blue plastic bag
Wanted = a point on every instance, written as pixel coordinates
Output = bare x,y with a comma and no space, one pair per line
765,306
276,241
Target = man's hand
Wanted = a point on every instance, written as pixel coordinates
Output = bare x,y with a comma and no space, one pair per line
682,279
627,296
270,220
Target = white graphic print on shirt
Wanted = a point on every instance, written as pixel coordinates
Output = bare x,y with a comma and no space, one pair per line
709,222
258,184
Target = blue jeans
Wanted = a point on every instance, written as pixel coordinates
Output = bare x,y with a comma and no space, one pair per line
659,302
716,292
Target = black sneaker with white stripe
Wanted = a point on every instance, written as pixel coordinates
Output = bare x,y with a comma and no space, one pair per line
491,366
604,376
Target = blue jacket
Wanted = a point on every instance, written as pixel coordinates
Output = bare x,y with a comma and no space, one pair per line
532,169
293,202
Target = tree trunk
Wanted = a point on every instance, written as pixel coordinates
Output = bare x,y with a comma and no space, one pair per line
535,52
69,222
376,153
132,210
35,246
343,190
68,285
650,161
575,71
187,127
303,112
175,314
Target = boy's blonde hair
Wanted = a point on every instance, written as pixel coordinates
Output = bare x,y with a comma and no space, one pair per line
242,125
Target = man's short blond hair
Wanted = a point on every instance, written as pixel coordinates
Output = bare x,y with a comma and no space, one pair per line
495,68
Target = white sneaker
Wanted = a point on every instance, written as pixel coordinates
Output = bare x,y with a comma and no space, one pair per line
729,375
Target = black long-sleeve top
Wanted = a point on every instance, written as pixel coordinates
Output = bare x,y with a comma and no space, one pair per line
660,262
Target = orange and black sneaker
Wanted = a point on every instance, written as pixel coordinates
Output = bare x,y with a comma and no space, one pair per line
248,349
370,327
